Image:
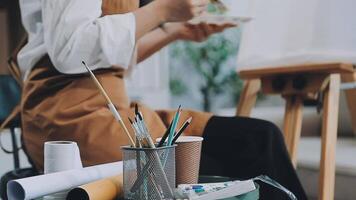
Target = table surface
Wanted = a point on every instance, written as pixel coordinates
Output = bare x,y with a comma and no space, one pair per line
303,68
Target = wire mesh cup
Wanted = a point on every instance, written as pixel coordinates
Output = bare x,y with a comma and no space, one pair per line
149,173
188,152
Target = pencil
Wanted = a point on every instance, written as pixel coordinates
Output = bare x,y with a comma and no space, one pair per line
110,104
163,139
175,122
181,130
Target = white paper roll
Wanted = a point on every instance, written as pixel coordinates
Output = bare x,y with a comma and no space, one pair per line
38,186
61,156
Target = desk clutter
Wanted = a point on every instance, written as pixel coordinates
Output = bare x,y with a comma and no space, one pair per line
154,180
165,169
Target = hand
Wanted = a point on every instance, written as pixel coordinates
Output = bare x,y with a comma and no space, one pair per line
181,10
197,33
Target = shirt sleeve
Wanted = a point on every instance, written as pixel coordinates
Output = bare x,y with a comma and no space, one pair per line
74,31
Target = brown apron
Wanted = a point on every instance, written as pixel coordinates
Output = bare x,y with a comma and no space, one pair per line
59,106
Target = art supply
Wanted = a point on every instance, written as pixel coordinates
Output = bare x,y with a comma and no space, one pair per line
136,110
165,136
39,186
211,191
181,130
174,125
163,178
60,156
110,104
188,153
213,19
103,189
146,173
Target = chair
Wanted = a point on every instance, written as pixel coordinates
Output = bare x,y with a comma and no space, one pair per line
10,119
9,99
319,82
10,93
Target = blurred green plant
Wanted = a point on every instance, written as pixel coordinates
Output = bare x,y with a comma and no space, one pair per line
209,60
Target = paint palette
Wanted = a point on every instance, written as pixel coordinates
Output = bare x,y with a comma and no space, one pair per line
220,19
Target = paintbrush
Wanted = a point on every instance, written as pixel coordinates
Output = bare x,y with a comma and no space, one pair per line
110,104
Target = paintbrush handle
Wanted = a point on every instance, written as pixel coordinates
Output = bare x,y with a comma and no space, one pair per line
110,104
127,133
119,119
97,83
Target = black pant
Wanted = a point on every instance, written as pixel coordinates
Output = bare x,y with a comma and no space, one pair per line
244,148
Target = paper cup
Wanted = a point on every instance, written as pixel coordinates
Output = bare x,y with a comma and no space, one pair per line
60,156
188,153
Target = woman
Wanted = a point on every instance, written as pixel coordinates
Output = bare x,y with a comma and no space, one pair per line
60,101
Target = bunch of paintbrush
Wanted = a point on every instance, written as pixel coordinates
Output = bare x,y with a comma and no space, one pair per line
143,137
144,140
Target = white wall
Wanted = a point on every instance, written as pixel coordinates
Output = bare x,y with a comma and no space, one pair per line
149,81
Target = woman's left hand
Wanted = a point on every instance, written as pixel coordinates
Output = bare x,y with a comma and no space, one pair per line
197,33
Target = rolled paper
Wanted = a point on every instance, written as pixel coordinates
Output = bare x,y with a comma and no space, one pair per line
104,189
39,186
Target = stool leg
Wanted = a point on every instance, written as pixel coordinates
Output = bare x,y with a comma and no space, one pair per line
329,136
293,125
248,97
351,97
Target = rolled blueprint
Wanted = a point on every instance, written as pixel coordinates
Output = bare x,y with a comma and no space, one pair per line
60,156
104,189
38,186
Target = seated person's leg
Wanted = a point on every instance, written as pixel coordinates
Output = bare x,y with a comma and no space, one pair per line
244,148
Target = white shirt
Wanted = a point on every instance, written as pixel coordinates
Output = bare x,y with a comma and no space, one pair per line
70,31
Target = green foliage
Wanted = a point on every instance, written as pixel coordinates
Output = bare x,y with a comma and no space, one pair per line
177,87
210,61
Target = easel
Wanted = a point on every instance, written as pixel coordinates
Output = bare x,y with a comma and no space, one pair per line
319,82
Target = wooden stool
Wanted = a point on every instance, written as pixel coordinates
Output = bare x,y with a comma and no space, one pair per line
296,84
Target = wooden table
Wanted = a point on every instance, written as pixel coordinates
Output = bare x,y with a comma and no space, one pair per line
296,84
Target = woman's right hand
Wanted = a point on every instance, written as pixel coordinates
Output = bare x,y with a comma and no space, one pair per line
181,10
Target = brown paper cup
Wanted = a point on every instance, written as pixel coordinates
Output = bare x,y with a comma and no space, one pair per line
188,152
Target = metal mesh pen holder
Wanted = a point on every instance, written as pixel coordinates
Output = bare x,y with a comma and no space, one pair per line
149,173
